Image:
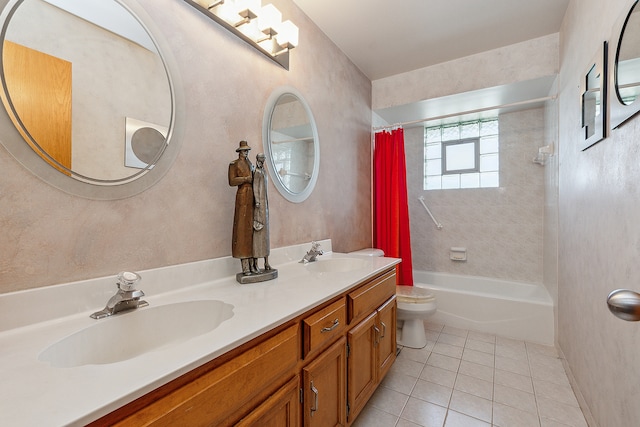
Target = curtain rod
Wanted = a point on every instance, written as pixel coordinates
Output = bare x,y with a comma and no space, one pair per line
478,110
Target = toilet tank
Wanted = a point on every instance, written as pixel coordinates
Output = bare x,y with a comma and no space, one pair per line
368,252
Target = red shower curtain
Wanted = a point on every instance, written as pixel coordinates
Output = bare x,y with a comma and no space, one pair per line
390,206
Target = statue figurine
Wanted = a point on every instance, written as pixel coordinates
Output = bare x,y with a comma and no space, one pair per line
250,218
260,214
241,176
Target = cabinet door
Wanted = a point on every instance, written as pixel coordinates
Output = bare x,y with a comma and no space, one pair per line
282,409
324,385
387,339
362,364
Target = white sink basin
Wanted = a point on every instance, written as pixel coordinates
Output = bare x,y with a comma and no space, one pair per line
335,265
128,335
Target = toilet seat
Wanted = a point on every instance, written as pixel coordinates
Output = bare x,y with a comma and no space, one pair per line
413,295
415,305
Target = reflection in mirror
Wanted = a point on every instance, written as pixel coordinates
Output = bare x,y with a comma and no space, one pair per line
74,73
143,143
593,100
291,141
627,69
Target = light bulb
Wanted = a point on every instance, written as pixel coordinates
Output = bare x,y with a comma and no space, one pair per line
251,30
228,11
287,35
248,8
269,19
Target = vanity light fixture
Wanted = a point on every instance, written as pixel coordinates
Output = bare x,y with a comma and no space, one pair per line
260,26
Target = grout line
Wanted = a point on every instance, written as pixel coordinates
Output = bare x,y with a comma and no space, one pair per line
582,403
533,386
425,364
398,351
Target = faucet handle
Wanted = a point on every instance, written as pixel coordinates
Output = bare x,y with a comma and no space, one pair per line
127,280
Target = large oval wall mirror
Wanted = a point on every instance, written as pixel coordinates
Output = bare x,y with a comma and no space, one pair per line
290,139
626,68
86,87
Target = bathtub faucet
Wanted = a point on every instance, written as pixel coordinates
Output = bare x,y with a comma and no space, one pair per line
313,253
126,298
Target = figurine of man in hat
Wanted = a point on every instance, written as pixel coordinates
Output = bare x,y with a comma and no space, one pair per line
241,176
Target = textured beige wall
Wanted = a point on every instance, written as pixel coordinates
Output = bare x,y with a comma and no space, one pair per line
50,237
516,63
599,231
502,228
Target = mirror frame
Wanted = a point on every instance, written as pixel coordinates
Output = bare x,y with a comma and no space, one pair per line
599,66
620,112
15,144
272,102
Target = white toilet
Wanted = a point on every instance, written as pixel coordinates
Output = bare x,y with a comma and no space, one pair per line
415,304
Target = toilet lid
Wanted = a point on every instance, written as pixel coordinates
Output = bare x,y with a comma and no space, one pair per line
413,294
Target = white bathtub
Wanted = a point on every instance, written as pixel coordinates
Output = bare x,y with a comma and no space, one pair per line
510,309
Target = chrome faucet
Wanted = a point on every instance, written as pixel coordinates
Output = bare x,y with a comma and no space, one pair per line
312,253
126,298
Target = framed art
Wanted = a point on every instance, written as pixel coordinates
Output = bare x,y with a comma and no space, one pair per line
593,100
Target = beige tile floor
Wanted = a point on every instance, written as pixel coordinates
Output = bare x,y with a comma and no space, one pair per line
467,379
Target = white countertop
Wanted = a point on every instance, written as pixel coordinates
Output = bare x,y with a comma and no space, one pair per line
33,393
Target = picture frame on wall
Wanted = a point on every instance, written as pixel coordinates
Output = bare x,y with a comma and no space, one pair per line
593,100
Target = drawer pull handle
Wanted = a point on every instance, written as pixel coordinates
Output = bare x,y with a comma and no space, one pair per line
377,339
315,405
336,323
384,330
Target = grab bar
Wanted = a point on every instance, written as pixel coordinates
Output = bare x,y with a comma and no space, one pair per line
438,225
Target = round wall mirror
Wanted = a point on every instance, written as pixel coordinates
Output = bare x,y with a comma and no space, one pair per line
86,88
627,69
290,139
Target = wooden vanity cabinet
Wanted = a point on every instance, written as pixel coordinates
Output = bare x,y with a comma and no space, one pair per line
370,347
221,395
318,369
371,342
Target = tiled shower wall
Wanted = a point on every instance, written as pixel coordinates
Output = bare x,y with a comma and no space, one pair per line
502,228
551,207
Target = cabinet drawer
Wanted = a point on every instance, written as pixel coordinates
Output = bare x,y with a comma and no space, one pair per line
368,297
216,397
323,326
